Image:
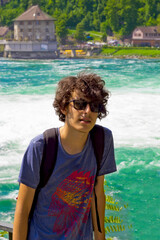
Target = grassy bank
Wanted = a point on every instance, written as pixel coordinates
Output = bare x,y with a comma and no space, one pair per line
130,52
96,36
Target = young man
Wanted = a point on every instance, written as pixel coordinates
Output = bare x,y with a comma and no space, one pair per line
66,207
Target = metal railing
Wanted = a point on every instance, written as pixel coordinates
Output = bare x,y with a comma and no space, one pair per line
8,227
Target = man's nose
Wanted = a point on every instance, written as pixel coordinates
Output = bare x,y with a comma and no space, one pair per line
87,109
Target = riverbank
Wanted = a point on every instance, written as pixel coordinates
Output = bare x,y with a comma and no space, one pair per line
130,52
115,52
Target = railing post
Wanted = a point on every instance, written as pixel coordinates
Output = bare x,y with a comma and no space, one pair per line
10,236
8,227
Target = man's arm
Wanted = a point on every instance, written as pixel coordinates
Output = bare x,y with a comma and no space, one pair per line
23,207
99,190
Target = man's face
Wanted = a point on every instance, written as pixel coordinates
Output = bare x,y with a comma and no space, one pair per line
80,120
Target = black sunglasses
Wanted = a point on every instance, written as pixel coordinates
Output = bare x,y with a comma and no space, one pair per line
80,104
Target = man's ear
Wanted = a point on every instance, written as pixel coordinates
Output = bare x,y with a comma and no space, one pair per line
64,111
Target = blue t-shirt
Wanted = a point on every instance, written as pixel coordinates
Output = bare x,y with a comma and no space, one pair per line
63,209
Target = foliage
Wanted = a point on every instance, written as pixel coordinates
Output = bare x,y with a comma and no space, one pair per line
61,30
108,16
114,222
79,35
104,37
3,233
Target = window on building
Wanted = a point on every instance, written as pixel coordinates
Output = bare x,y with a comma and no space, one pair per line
21,23
47,23
47,30
29,23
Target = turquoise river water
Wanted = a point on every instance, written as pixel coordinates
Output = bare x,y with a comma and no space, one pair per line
27,90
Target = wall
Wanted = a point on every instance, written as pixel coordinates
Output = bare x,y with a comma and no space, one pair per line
34,30
30,46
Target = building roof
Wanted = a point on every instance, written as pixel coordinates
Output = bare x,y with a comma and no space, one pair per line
150,29
3,31
34,13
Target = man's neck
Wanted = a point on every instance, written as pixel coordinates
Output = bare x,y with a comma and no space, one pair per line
73,141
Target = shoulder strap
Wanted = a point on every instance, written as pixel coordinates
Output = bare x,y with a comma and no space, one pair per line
48,161
97,137
49,155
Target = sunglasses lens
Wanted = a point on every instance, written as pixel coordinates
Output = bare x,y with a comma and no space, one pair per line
94,107
79,104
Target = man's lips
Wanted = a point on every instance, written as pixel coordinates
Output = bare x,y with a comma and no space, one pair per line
86,120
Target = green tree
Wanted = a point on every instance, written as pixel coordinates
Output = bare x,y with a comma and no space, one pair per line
61,31
140,16
104,37
112,14
74,17
87,21
96,21
80,35
122,16
49,7
151,22
8,16
105,28
60,4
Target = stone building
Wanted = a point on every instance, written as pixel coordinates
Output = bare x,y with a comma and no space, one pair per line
34,36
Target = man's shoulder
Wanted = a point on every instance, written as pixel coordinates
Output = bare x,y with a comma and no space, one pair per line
106,130
37,141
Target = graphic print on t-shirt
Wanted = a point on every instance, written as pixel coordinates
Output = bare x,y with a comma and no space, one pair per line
71,203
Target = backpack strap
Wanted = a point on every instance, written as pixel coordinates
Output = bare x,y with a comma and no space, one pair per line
48,162
49,155
97,137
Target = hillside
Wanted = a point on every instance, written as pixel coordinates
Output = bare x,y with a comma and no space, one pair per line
106,16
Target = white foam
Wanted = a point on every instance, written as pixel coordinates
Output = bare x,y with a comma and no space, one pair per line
11,195
133,118
25,116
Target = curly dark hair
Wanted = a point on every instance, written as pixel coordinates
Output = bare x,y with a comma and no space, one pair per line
90,85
